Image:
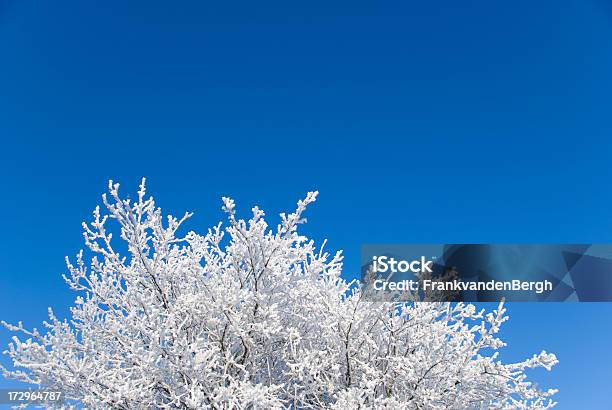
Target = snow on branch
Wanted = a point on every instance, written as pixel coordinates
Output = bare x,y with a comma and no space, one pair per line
248,316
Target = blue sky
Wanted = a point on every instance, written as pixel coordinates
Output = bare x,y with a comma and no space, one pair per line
472,121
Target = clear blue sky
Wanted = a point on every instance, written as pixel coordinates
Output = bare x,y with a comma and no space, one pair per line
436,121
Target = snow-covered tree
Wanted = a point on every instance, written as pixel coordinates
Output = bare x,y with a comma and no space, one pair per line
254,317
